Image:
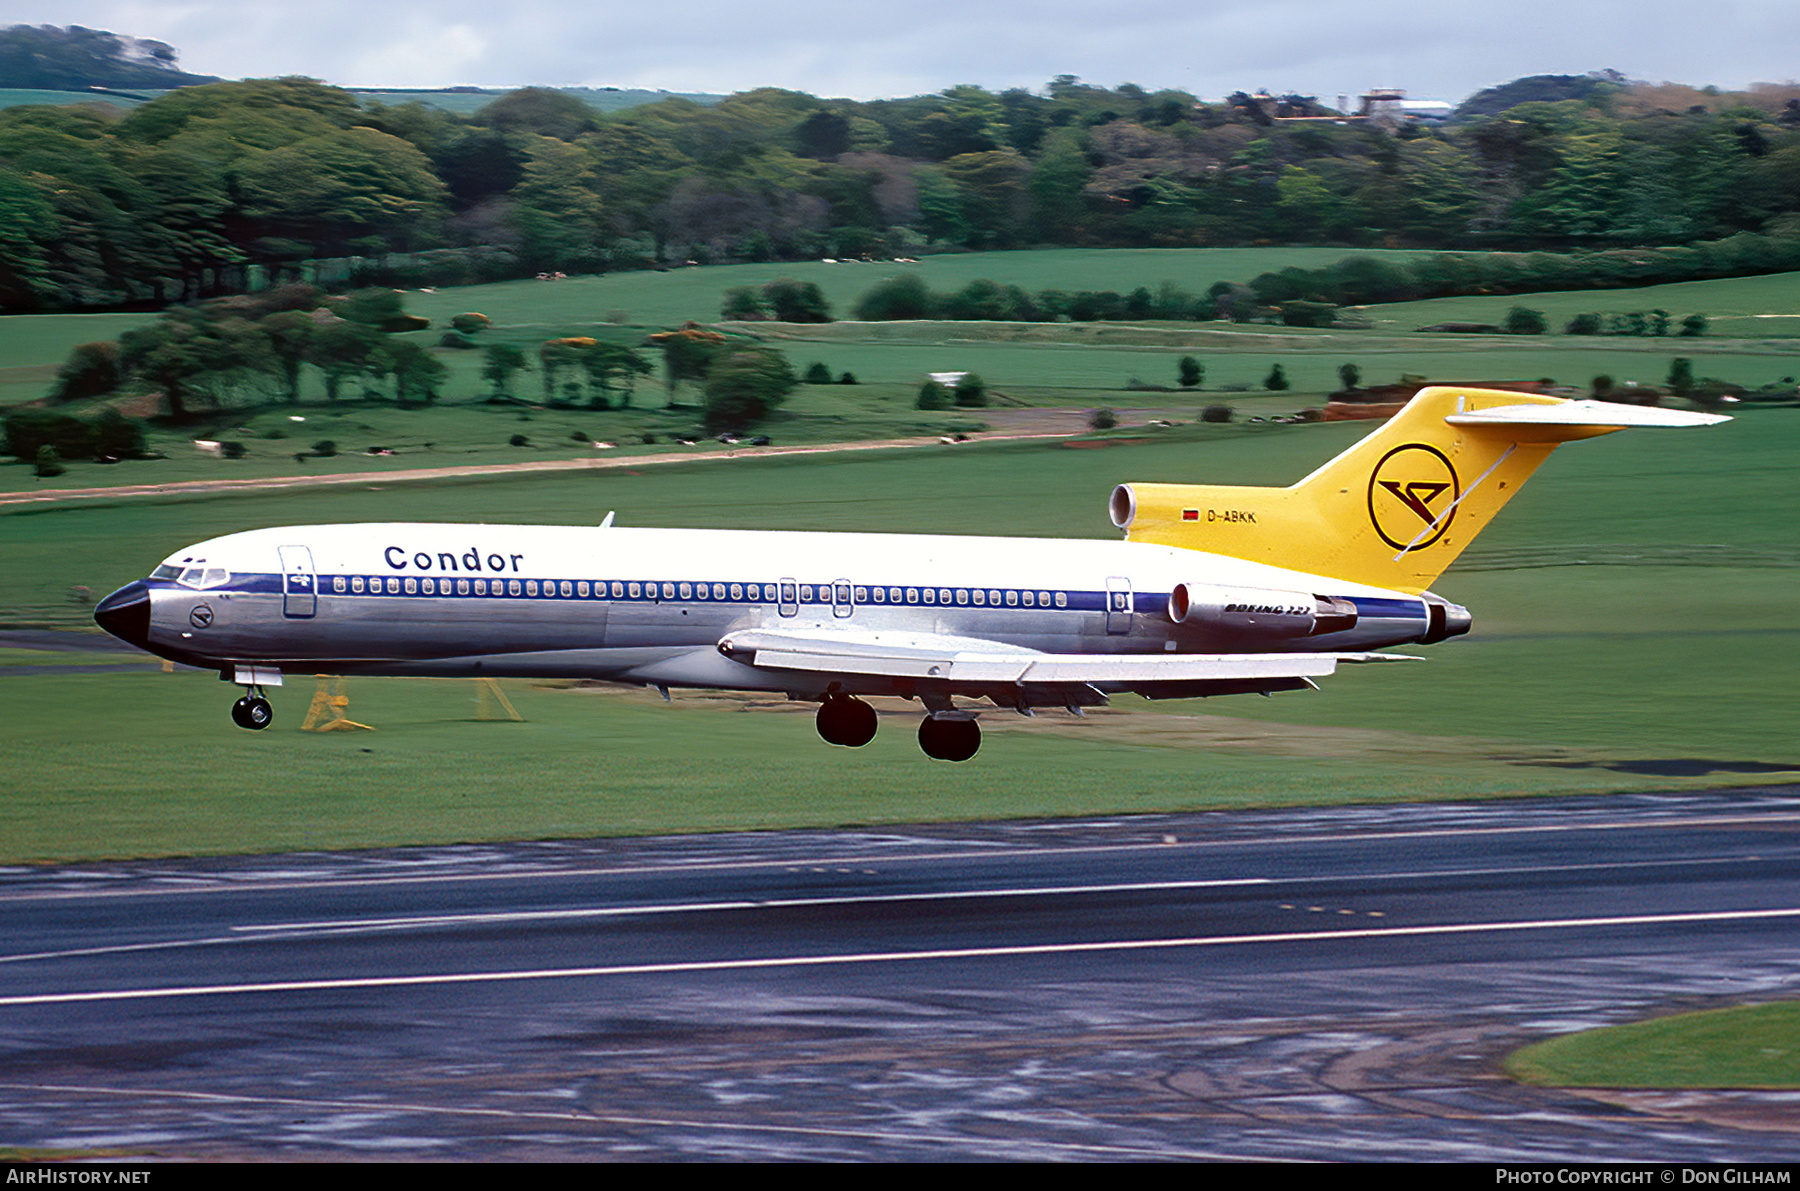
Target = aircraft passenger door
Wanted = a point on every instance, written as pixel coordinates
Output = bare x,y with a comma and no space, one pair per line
299,584
789,604
841,605
1118,604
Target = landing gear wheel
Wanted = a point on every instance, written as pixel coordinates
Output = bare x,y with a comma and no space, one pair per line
252,712
948,739
846,721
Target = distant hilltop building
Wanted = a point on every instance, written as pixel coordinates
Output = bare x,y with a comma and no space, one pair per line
1389,108
1386,108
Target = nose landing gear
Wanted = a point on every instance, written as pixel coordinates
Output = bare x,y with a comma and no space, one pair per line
252,711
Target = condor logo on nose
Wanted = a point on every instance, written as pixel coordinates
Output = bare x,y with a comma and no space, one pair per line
1412,496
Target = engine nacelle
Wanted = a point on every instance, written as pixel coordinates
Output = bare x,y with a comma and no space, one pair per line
1260,612
1444,620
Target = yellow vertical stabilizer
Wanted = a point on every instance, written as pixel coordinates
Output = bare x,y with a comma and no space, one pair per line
1398,507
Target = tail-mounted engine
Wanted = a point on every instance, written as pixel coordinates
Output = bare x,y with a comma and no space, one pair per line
1260,612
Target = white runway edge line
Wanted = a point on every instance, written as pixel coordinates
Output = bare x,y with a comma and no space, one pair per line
874,957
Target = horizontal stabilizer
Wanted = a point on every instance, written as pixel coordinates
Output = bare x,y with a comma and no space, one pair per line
1584,413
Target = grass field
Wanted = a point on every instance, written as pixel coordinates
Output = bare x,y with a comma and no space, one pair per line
1634,630
696,293
22,96
1752,341
1752,308
1749,1046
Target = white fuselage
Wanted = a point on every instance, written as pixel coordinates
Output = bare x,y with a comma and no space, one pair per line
653,605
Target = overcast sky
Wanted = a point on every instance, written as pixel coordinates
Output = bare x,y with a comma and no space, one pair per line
1434,49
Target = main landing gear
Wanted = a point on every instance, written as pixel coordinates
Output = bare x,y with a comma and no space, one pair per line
252,711
846,721
947,735
955,737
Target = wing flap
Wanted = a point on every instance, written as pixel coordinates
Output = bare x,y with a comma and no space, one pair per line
967,660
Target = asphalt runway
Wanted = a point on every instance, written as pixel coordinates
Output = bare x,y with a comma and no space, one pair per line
1309,984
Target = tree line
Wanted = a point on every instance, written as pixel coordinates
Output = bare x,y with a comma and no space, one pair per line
1302,297
251,350
225,187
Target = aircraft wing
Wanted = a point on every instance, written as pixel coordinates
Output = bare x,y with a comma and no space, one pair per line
973,661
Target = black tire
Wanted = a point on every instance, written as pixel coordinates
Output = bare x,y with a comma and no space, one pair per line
946,739
845,721
859,724
252,712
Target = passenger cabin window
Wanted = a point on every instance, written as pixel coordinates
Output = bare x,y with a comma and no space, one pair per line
356,584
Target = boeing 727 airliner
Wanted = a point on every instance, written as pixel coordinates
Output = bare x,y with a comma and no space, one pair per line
1215,590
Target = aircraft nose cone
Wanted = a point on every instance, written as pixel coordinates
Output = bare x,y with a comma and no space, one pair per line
126,614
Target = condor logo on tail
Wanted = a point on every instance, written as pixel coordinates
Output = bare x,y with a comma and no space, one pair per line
1412,496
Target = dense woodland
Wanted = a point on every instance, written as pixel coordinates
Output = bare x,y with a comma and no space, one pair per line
229,186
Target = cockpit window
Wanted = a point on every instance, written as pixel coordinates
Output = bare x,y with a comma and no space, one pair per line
202,578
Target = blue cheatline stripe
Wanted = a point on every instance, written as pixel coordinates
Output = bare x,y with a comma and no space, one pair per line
1380,606
652,592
